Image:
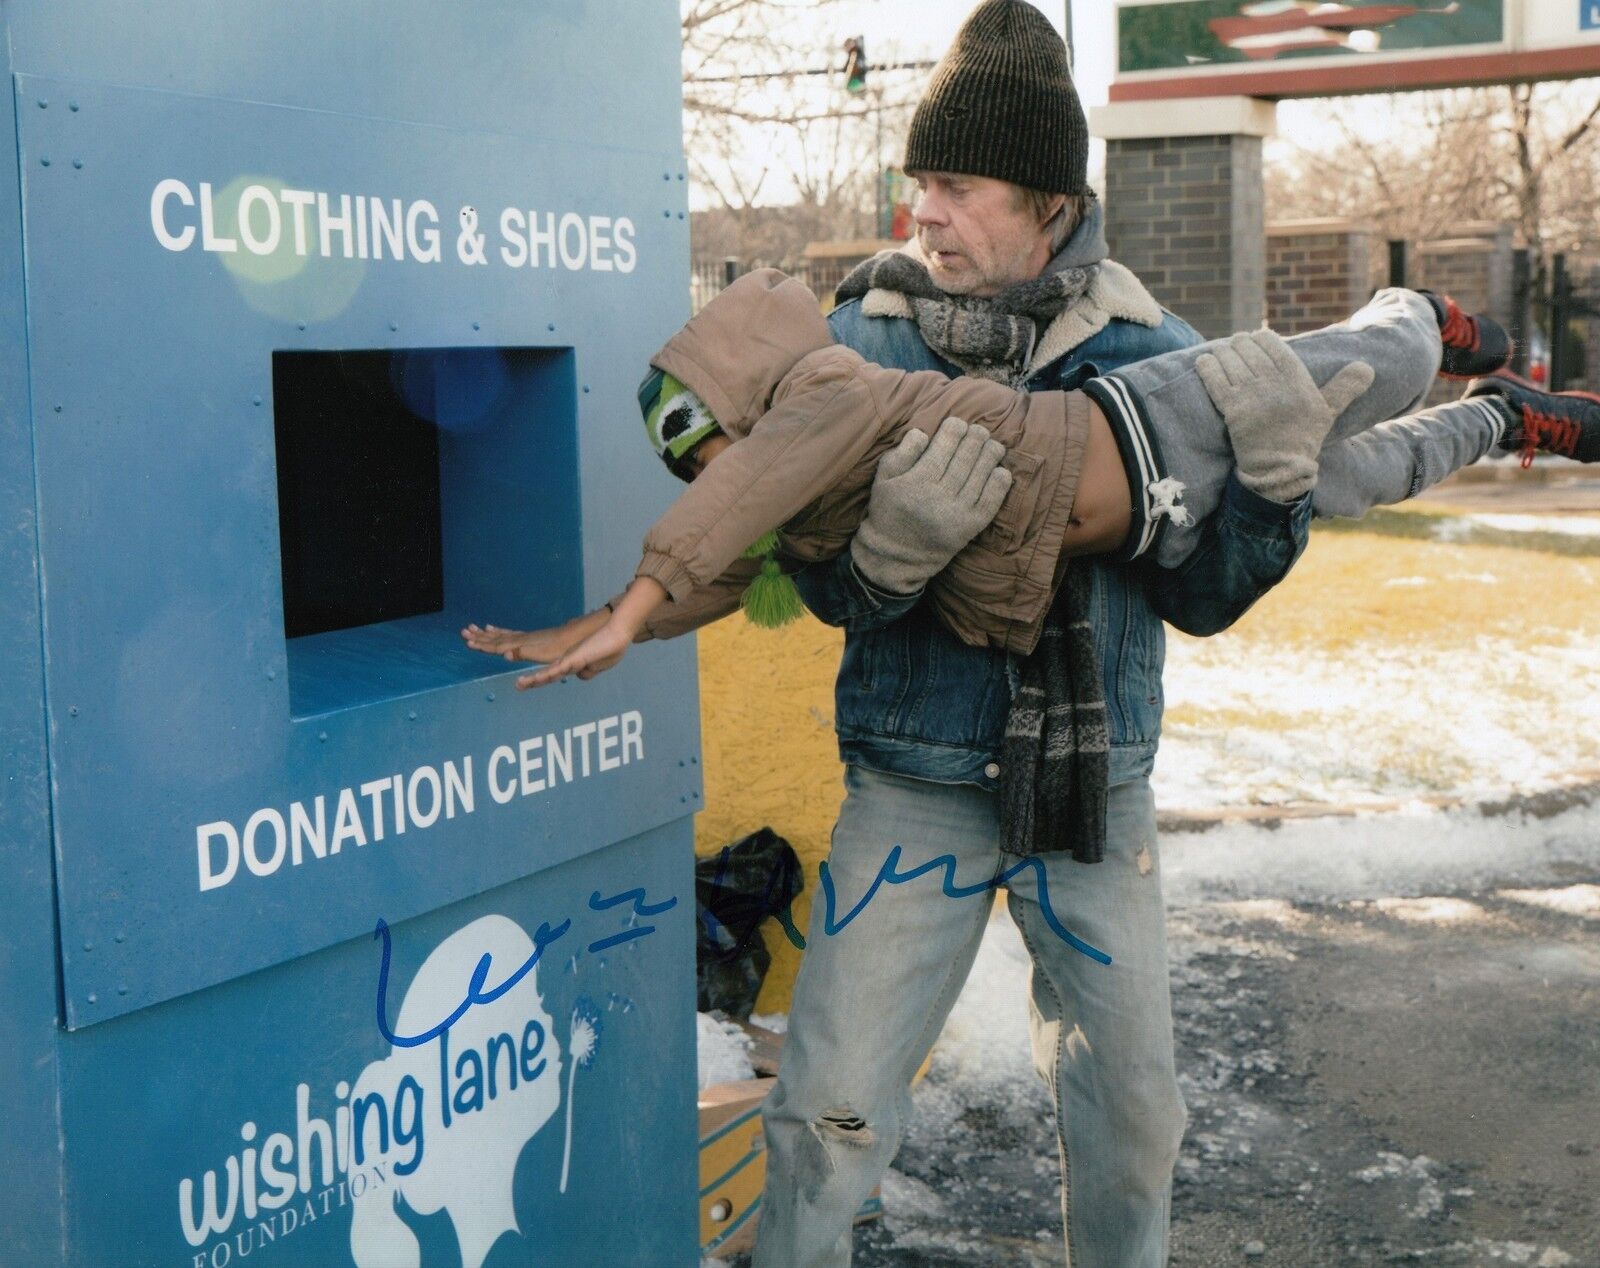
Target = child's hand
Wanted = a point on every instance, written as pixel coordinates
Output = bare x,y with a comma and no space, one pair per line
586,645
595,654
537,645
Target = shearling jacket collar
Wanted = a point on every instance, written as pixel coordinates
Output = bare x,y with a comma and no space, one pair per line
1114,294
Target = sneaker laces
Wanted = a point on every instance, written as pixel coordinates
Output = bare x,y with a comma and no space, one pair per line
1559,435
1459,330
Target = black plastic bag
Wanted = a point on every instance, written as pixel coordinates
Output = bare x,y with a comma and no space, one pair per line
735,890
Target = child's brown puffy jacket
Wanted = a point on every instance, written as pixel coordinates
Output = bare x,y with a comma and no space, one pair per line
810,419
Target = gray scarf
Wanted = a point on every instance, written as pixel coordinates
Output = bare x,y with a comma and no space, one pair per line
992,337
1056,752
1055,760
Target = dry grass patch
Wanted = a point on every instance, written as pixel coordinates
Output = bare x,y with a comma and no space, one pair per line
1356,587
1358,597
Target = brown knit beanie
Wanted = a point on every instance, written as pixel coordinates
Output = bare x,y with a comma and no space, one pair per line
1001,103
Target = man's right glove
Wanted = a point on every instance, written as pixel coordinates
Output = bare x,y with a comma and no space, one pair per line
929,499
1276,415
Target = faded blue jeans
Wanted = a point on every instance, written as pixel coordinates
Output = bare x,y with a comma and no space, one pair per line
873,995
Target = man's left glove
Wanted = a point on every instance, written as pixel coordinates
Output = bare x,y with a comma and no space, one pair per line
1277,417
929,499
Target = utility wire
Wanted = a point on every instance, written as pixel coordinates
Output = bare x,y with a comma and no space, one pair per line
813,70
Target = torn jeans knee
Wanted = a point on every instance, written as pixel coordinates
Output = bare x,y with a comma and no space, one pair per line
844,1126
833,1129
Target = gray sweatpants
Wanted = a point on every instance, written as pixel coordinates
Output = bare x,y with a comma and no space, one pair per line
1372,456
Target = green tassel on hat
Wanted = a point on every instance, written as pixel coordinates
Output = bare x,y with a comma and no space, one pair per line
772,599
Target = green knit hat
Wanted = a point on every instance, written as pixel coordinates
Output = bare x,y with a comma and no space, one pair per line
1001,103
675,419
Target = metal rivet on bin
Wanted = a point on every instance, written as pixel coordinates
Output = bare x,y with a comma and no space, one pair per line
394,325
665,215
88,946
78,163
93,998
122,990
300,325
58,409
490,697
412,716
73,710
44,160
586,389
271,674
256,400
477,325
121,937
72,106
43,104
551,326
322,737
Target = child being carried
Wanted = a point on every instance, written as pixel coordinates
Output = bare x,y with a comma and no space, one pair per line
776,427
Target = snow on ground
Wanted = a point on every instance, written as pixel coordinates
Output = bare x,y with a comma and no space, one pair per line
1569,525
1575,900
1388,723
1572,525
1407,854
723,1050
1399,862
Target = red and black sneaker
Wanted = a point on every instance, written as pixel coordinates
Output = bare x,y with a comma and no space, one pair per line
1473,345
1566,423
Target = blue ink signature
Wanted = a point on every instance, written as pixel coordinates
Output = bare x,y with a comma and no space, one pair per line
640,908
475,992
888,873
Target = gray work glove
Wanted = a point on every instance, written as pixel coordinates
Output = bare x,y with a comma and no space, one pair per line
929,499
1277,417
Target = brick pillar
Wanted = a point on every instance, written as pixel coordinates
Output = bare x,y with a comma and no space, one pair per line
1185,206
1474,268
1318,273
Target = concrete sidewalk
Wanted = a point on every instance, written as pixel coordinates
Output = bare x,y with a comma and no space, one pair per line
1553,486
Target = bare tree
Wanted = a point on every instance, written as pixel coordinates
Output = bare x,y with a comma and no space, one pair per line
1554,183
1523,154
768,123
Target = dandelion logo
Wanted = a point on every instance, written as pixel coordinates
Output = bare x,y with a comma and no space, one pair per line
583,1041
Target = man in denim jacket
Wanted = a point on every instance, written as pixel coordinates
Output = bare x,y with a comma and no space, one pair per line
921,717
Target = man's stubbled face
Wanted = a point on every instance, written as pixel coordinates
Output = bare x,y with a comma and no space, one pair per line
978,235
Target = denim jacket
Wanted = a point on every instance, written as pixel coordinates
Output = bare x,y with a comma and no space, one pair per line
912,700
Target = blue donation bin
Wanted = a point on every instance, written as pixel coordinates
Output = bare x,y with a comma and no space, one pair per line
324,945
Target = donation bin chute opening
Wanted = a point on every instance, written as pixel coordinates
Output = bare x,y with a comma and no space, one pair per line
419,489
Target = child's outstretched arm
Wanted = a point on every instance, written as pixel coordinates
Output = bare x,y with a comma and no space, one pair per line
543,646
586,646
